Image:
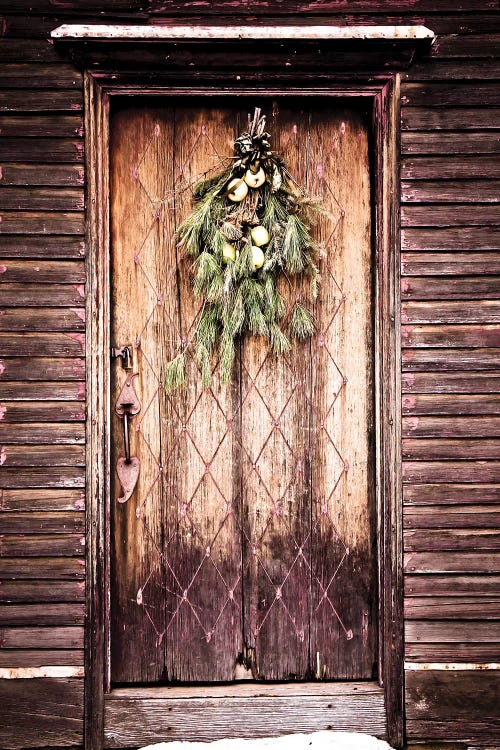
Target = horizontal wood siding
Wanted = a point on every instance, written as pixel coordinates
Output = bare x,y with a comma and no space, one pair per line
42,393
451,334
450,261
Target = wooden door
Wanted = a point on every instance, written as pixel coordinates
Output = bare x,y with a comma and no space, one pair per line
248,547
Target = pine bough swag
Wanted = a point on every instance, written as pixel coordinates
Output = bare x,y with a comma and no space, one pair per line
248,226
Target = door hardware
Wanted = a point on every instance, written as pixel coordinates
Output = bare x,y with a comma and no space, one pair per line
127,466
125,353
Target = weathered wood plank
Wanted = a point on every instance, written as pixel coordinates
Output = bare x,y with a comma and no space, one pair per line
459,214
453,70
55,708
452,562
34,100
450,494
451,427
42,345
450,264
43,295
450,239
41,500
44,271
454,405
449,167
449,191
39,391
455,382
45,411
450,359
38,222
469,45
452,652
42,455
450,335
40,126
42,369
425,540
449,94
452,517
451,632
438,449
449,143
460,118
42,149
17,50
256,715
42,591
138,652
443,288
42,75
54,248
43,477
42,568
43,523
28,175
452,585
43,199
480,311
451,471
38,545
470,697
42,614
43,637
452,608
42,319
39,658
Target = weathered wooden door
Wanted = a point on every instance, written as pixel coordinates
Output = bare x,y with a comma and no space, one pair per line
248,546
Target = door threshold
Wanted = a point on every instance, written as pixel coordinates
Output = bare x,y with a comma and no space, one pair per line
136,716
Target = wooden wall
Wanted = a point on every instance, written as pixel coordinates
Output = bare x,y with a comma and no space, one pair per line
451,364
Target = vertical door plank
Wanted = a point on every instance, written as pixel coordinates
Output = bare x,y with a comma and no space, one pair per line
138,603
275,479
202,547
343,530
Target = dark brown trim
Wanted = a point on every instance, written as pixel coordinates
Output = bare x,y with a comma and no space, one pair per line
384,91
97,361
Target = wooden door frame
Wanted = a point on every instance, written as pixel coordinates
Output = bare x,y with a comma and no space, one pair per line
384,92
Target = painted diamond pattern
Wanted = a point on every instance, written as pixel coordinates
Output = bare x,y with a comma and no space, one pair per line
275,429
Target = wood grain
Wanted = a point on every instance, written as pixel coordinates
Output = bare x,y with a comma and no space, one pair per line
43,614
54,705
54,175
451,585
455,382
137,650
269,715
451,494
450,264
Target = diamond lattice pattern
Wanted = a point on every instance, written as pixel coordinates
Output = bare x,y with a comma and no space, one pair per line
252,479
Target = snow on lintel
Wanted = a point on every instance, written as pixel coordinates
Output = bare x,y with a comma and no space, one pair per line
105,32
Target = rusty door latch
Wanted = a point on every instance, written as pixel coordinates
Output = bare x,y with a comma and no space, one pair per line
126,407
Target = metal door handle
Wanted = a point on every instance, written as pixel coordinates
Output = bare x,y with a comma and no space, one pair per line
127,466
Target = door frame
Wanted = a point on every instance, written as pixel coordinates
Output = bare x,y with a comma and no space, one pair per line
384,94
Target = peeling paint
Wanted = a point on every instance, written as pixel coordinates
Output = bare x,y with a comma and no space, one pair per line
2,367
3,411
80,288
79,312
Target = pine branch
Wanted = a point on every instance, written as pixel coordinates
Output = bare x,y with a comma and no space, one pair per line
175,372
302,324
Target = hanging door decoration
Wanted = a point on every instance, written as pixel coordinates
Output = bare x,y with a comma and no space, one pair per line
247,549
248,227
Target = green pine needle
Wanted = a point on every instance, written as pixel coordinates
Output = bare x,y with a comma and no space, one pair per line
175,373
302,324
279,342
